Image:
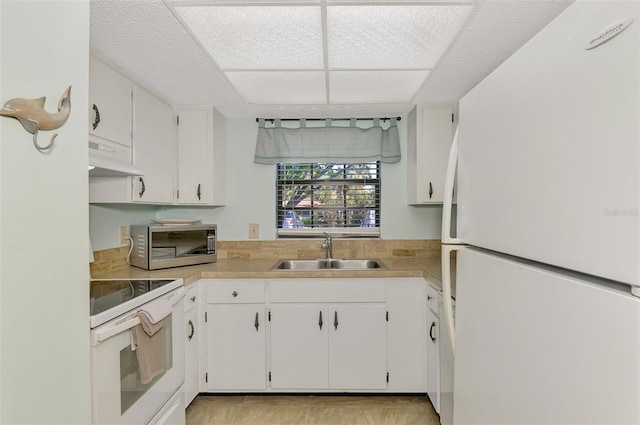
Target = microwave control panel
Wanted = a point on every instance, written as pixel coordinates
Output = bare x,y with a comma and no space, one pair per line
211,241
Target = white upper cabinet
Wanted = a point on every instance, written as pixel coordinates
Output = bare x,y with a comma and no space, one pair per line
181,152
201,158
153,154
429,137
152,148
109,103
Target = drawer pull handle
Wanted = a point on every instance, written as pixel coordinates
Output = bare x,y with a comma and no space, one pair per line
429,297
96,120
335,320
193,299
320,320
257,323
193,330
143,188
234,294
433,326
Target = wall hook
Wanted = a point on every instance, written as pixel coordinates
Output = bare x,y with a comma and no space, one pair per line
43,148
33,117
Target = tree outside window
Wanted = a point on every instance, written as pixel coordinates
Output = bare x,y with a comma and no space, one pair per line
328,195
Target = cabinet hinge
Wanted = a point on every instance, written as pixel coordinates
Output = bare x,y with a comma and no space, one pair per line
387,316
269,376
387,376
269,316
206,377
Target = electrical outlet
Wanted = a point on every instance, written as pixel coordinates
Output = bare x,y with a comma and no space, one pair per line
124,234
254,231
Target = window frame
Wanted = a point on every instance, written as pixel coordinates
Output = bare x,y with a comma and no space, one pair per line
346,212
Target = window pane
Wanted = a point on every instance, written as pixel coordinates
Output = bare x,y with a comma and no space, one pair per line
328,195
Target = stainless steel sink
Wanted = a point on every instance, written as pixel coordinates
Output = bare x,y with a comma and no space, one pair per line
324,264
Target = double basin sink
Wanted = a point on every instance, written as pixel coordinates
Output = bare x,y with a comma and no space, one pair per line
328,264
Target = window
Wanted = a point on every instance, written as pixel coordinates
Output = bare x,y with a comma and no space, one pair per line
317,197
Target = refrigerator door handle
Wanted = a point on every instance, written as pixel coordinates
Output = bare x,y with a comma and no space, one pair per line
448,193
446,291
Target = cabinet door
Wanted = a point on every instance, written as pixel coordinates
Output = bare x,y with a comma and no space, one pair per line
191,370
358,346
195,156
437,135
152,148
236,352
110,99
430,135
299,346
433,360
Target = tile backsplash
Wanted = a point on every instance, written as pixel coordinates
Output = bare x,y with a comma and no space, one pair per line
116,258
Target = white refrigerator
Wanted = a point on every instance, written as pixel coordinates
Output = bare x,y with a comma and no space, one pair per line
547,326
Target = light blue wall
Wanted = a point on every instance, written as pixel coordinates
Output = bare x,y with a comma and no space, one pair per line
45,372
251,199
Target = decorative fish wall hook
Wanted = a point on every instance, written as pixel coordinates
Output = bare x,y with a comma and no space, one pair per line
33,117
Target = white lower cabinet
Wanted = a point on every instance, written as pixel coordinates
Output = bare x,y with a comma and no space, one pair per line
236,347
358,347
434,297
433,360
303,335
318,346
235,329
192,343
299,346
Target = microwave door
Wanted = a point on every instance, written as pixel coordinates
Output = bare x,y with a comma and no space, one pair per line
163,252
198,250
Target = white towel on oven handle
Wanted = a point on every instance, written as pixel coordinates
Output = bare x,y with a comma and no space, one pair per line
156,310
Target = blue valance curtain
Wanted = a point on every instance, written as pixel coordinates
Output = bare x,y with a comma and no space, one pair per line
327,144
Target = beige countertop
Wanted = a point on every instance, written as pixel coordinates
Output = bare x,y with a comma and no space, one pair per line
259,268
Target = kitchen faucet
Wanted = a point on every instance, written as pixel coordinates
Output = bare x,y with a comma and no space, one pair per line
328,245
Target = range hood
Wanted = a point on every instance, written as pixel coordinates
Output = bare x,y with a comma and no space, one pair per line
99,167
109,159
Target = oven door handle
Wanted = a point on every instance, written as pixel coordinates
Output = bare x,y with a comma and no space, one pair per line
101,336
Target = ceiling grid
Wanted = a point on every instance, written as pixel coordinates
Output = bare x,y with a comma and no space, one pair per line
368,52
146,41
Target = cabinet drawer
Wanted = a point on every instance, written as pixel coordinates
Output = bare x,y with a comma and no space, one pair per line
236,292
191,298
432,298
328,290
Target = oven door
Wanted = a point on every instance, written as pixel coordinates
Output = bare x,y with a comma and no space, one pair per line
118,396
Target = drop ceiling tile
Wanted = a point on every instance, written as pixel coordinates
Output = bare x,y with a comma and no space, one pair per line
357,87
391,37
258,37
284,87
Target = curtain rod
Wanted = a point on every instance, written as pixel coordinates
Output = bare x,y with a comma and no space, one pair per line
324,119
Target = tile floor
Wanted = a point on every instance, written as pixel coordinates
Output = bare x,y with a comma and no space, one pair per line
311,410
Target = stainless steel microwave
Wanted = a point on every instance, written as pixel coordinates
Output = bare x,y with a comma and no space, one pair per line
161,247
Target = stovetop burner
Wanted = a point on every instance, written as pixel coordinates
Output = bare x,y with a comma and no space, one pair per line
112,297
